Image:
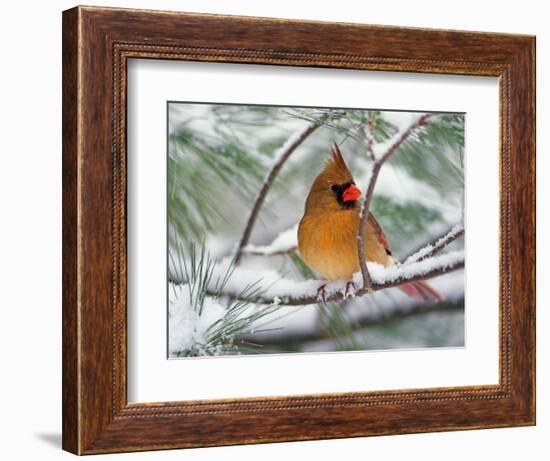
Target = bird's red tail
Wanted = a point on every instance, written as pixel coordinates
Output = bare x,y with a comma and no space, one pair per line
421,290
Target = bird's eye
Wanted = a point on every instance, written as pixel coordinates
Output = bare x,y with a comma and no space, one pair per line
334,188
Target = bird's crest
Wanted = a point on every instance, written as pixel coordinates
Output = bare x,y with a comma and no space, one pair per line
336,170
321,197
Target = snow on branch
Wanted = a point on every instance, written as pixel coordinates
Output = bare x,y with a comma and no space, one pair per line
280,291
382,150
433,248
379,159
281,156
284,243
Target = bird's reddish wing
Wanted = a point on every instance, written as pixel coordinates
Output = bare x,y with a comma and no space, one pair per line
382,239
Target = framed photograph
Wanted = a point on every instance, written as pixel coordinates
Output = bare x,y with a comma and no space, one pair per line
281,230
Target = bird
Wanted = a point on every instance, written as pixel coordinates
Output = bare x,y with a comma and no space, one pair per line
327,232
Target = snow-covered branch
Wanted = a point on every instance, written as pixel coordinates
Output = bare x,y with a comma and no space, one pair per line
379,159
294,293
200,323
281,156
429,250
281,291
283,244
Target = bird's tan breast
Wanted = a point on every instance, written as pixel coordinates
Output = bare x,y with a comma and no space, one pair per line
328,244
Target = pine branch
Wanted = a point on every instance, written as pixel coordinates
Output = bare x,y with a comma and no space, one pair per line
286,338
363,217
428,267
284,153
200,322
429,250
304,293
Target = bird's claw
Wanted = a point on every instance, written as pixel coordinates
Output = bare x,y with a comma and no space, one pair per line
322,293
350,289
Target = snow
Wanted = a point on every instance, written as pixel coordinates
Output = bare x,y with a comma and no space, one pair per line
283,243
275,288
379,304
402,123
395,182
430,247
382,275
279,156
402,120
198,117
188,330
273,285
293,139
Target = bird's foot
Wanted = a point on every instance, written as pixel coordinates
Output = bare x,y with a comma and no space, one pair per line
350,289
322,293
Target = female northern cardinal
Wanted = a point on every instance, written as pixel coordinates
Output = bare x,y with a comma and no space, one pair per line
327,234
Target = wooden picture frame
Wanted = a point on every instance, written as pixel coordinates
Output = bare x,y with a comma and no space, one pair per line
97,43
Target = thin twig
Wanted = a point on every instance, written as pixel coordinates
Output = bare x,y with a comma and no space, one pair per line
290,147
283,244
368,131
427,251
363,217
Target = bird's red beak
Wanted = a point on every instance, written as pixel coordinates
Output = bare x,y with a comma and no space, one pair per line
351,194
